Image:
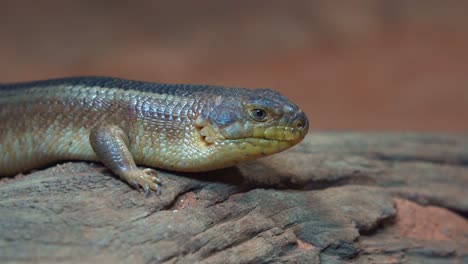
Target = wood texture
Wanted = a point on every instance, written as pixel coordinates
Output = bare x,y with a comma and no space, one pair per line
337,197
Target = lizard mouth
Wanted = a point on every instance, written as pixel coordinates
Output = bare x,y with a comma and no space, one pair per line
261,141
284,133
258,135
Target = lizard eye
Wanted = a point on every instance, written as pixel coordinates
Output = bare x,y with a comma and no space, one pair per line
259,115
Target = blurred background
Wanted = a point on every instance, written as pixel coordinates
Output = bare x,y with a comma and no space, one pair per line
388,65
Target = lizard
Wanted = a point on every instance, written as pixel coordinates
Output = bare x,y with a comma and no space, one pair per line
134,126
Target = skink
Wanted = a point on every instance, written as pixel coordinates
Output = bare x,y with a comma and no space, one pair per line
125,123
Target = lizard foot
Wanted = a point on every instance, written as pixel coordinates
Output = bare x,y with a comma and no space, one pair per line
145,179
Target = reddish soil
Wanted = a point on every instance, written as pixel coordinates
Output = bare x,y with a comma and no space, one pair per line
429,223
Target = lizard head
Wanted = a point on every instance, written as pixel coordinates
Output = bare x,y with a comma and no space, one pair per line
251,123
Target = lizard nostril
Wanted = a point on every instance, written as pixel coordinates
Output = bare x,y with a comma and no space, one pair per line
300,123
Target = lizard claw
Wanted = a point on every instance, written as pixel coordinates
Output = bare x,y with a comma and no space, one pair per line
135,184
147,191
158,190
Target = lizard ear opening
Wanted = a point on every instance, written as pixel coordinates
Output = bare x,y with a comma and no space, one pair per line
209,134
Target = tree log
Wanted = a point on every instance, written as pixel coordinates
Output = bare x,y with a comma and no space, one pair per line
336,197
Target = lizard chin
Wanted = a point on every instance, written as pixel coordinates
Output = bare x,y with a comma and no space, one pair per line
256,147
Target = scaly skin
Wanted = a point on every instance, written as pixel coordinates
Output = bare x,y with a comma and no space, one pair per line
122,123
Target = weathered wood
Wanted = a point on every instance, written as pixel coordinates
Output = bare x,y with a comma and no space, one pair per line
364,198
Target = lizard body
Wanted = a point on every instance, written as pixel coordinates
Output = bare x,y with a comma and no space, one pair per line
122,123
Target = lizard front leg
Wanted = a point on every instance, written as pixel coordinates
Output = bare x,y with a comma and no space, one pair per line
111,146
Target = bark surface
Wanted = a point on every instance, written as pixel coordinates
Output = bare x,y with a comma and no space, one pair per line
337,197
